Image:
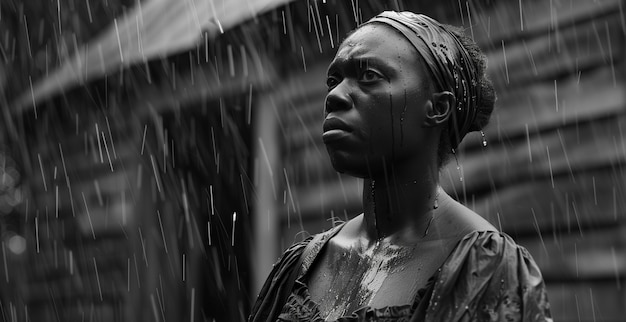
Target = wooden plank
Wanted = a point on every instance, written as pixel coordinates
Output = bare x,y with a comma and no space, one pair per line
577,203
563,256
80,166
587,301
113,216
97,220
80,146
577,47
110,194
539,106
503,21
543,155
61,128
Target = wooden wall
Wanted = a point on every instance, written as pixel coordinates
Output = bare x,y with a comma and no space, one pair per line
82,178
553,172
130,186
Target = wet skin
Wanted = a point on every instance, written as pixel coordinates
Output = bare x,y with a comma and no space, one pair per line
375,107
382,124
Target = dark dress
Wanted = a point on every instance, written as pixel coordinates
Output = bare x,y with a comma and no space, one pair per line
487,277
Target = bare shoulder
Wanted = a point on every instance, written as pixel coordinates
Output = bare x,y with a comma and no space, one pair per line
348,234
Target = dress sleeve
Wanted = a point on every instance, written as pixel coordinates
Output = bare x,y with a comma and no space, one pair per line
269,304
489,277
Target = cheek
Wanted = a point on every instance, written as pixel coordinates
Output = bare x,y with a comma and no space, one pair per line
384,112
389,114
411,104
379,116
408,109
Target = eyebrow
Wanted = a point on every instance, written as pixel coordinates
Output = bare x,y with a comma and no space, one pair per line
359,61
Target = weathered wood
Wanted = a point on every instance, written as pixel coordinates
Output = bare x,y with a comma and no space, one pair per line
588,301
84,167
577,48
576,203
72,143
537,16
544,155
540,106
106,195
566,256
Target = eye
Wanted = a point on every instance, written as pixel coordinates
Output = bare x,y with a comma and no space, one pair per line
370,76
332,81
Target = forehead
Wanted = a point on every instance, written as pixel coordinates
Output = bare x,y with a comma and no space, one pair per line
380,41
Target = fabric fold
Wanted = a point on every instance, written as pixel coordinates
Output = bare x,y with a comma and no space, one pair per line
487,277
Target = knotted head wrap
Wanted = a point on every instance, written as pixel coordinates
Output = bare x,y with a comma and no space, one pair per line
448,61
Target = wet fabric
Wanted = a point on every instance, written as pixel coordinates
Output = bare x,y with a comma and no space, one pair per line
300,307
487,277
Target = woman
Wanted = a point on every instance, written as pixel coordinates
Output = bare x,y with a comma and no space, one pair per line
403,90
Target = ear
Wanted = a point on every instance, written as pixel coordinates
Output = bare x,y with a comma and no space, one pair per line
439,108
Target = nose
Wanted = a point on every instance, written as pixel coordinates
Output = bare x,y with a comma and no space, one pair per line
338,98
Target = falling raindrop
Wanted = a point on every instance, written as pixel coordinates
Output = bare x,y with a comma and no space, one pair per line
233,231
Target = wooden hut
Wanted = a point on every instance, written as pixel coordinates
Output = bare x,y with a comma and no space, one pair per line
133,149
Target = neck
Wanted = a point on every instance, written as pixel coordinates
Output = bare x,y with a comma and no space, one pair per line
400,205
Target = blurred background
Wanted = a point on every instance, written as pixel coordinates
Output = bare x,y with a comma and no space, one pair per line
157,156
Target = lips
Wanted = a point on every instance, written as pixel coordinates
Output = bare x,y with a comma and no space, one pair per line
335,129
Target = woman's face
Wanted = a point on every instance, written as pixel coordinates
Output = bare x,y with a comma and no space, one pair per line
378,92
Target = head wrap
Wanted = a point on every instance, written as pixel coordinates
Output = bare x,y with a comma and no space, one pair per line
448,61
